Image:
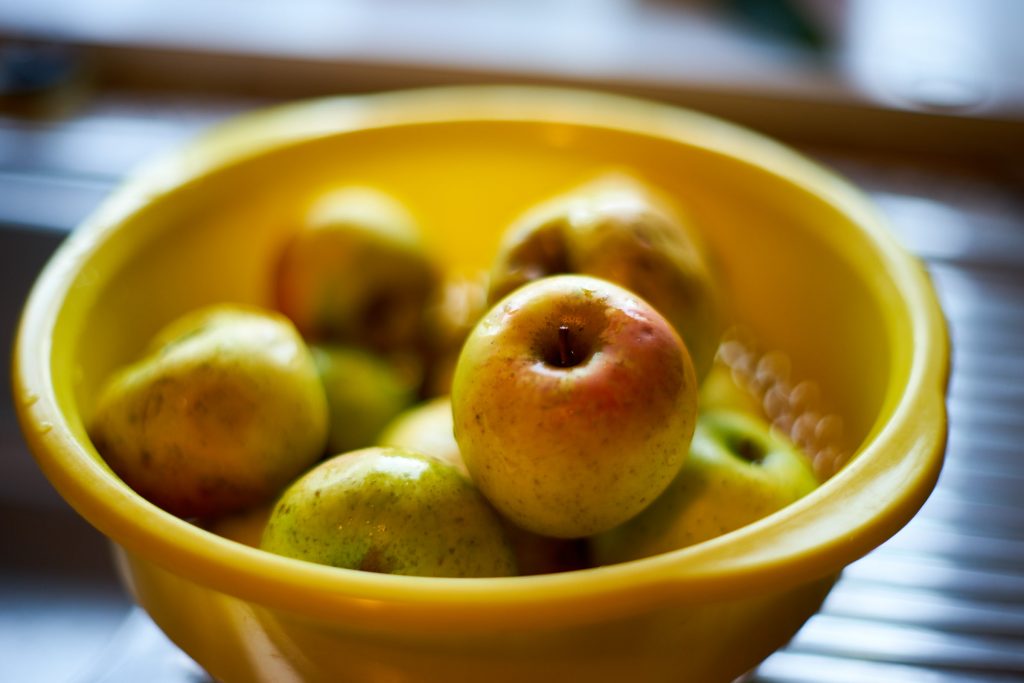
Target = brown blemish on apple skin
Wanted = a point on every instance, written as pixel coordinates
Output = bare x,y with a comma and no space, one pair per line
374,561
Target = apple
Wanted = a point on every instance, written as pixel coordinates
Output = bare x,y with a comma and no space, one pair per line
619,229
426,428
221,413
460,301
392,511
739,471
536,554
574,402
357,272
364,390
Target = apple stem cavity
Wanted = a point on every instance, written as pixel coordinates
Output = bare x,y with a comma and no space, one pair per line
566,357
748,450
568,351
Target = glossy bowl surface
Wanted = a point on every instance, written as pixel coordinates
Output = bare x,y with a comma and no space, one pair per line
808,266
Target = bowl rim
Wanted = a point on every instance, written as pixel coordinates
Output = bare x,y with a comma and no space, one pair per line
846,517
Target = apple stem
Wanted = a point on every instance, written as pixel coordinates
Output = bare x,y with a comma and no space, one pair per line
565,354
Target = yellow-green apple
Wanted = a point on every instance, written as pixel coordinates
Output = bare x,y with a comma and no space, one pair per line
365,391
391,511
426,428
574,402
738,471
357,272
619,229
460,301
221,413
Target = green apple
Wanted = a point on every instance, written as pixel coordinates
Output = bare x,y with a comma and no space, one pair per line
365,391
220,414
426,428
574,402
619,229
739,471
357,272
392,511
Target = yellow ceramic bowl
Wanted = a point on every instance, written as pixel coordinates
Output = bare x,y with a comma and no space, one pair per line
806,260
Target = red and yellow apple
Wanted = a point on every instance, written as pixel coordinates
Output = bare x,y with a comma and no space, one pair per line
574,402
619,229
357,272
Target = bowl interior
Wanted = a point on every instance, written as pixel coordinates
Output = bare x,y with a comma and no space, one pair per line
790,277
802,258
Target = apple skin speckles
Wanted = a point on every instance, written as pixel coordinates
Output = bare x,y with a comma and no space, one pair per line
738,472
223,411
390,510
